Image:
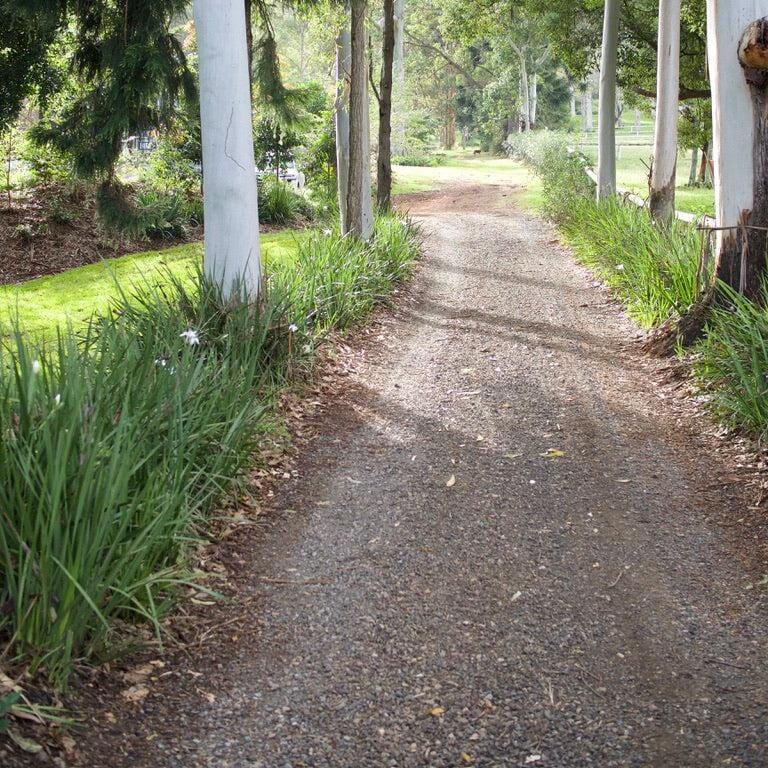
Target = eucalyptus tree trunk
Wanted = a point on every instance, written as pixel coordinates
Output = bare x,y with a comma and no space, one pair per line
606,149
534,98
520,52
384,165
638,115
664,168
694,167
359,201
588,117
398,76
738,65
232,256
572,95
343,76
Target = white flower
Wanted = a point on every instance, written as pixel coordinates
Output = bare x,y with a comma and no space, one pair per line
327,232
293,328
620,267
161,362
36,367
190,337
57,400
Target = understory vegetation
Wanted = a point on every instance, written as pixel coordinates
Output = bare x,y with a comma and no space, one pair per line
656,271
121,438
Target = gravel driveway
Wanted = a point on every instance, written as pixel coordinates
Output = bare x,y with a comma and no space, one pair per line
503,549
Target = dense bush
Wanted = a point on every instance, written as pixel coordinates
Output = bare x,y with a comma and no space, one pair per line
118,442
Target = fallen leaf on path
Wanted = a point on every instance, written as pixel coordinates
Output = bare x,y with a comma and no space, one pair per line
467,758
553,453
69,744
451,481
512,455
626,480
516,596
437,711
532,759
135,693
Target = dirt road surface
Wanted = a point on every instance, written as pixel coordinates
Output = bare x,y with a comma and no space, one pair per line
503,548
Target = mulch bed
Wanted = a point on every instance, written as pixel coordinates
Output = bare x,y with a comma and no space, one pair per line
53,228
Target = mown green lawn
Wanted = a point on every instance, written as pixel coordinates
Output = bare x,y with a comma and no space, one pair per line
72,297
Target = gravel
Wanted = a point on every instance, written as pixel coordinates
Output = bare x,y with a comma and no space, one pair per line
504,548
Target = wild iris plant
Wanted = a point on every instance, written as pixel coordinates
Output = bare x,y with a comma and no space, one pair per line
119,440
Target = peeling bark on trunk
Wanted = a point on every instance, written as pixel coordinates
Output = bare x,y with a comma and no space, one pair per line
232,256
736,65
664,168
606,154
384,166
520,52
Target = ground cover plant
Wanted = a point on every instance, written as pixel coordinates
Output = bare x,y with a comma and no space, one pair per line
121,437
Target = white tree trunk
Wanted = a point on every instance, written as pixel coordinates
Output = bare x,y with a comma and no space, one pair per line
587,110
398,80
343,65
664,168
572,94
606,150
638,115
534,98
232,255
524,87
732,118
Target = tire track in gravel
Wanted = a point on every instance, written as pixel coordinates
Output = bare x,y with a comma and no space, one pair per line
568,601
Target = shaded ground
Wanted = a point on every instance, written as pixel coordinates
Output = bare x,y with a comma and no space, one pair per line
504,546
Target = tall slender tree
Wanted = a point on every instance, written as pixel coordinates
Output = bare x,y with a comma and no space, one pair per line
664,168
232,256
343,77
359,202
384,163
606,152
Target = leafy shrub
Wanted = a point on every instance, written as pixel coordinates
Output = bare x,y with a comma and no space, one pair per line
731,362
117,443
419,160
59,212
280,203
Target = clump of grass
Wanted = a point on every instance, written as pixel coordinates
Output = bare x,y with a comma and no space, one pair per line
731,362
279,203
118,441
653,269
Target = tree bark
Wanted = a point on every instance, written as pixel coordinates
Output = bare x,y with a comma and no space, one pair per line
398,76
359,204
524,86
343,75
606,153
232,257
694,167
384,165
739,139
664,168
249,38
